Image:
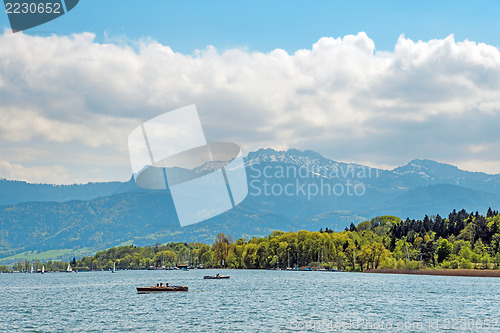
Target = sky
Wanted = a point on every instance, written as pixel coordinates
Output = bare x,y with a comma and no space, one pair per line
373,82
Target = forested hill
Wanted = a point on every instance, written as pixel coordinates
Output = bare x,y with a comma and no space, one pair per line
14,192
458,232
462,240
101,215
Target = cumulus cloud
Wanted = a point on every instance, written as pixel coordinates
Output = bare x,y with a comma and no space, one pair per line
55,174
436,99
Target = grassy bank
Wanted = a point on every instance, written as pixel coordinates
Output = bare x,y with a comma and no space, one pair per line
440,272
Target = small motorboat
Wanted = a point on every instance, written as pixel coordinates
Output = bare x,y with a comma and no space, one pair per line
160,288
216,277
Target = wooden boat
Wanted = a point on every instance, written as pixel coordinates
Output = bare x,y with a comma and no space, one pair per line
216,277
157,289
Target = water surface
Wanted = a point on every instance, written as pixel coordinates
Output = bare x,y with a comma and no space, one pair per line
251,300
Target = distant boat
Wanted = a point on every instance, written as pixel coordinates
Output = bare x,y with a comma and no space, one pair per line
216,277
157,289
32,270
114,268
43,269
69,269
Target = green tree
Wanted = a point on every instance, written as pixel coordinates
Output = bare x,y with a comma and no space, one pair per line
207,259
444,250
250,256
221,248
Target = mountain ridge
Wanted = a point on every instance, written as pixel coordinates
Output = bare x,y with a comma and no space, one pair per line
120,212
291,156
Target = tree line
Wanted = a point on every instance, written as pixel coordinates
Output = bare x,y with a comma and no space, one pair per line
462,240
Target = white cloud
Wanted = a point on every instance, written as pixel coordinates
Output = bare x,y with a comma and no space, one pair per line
39,174
437,99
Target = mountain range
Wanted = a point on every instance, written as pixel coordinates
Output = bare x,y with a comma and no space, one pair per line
288,190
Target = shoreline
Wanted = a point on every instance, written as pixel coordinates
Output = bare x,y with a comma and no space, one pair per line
439,272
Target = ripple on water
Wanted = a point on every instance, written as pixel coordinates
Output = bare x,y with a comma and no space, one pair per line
267,301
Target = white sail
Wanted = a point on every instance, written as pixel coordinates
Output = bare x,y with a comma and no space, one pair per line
43,269
69,269
114,267
31,268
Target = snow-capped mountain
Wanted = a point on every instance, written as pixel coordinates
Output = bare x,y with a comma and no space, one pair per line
416,173
288,190
426,172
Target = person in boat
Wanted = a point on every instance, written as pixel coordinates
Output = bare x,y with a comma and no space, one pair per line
157,285
166,284
218,275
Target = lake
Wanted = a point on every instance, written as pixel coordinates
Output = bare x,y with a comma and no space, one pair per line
251,300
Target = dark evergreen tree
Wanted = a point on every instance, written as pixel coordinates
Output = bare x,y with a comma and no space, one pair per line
459,226
427,223
481,230
428,250
439,227
392,244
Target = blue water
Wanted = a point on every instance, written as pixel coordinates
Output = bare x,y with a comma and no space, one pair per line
264,301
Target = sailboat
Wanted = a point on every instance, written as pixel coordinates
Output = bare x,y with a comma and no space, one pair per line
69,269
297,268
320,263
288,265
32,268
114,267
43,269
